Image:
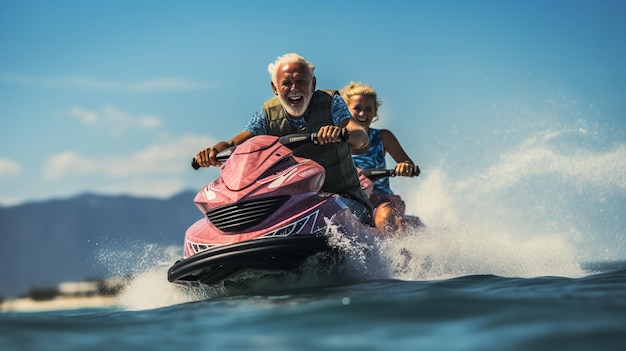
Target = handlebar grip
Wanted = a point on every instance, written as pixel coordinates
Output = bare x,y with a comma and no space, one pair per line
377,173
416,171
221,156
345,135
295,140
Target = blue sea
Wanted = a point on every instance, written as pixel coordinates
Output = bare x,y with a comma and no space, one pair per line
471,312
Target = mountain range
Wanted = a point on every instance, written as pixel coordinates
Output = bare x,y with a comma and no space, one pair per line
45,243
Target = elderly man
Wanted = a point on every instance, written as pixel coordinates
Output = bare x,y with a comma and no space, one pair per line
299,108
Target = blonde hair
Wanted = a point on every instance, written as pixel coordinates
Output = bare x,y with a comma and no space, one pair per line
272,68
355,88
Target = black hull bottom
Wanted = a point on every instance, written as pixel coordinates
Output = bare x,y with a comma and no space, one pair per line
218,263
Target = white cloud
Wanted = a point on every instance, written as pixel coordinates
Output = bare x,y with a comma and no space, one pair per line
118,121
85,116
9,168
121,121
164,159
68,162
163,84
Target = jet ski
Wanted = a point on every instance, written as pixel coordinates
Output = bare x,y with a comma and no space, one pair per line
264,212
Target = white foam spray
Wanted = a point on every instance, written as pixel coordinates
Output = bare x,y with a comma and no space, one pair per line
540,196
145,268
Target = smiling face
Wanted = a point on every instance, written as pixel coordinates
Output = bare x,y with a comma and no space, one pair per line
294,86
363,109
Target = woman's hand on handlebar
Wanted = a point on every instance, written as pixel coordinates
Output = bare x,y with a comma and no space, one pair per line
407,169
206,157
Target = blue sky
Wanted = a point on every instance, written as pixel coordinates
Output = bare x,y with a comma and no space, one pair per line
115,97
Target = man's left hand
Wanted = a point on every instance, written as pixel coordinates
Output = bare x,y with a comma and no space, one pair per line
328,135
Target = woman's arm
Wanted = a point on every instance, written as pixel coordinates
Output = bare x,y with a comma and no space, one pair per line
405,166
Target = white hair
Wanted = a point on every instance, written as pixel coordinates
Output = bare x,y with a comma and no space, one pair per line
272,68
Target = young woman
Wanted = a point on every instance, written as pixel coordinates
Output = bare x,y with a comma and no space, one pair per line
388,208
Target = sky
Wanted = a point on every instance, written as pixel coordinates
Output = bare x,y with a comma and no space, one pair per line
116,97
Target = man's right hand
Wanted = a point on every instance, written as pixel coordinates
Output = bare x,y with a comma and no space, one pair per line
206,157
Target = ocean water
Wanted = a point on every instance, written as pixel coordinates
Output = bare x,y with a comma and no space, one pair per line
524,249
440,288
473,312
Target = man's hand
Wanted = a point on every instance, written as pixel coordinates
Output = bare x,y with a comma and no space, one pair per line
206,157
328,135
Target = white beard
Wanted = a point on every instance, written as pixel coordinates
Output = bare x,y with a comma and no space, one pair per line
293,111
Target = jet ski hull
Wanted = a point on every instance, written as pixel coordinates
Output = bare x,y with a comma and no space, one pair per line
220,262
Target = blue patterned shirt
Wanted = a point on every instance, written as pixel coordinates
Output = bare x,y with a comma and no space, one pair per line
374,157
338,111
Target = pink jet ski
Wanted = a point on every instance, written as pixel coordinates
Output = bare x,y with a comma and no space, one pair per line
264,212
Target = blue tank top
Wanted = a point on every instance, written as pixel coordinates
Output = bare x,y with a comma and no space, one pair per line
374,157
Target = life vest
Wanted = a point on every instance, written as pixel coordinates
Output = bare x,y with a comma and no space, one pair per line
341,174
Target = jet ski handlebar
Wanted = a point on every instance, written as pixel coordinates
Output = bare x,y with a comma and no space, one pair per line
290,140
378,173
294,140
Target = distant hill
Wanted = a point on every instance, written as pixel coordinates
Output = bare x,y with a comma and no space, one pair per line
45,243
